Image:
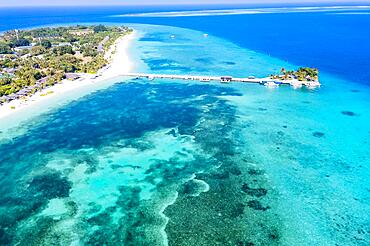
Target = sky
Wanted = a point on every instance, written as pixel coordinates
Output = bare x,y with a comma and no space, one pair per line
156,2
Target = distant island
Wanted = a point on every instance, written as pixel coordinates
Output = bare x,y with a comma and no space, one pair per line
301,74
31,60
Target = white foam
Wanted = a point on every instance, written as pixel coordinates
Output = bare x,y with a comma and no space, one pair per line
246,11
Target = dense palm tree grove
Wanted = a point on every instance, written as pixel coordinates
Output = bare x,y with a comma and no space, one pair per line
44,56
301,74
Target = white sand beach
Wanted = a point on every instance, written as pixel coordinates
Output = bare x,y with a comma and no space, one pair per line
120,63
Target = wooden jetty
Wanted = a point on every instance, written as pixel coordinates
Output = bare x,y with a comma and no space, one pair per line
228,79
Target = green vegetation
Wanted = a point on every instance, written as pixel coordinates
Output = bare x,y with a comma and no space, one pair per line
5,49
20,42
37,58
63,50
302,74
100,28
46,44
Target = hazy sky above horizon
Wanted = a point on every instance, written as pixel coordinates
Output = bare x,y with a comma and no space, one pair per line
156,2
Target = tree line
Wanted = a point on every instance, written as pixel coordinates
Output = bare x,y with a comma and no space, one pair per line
53,53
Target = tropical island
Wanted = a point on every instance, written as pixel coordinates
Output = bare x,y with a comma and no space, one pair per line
31,60
301,74
36,59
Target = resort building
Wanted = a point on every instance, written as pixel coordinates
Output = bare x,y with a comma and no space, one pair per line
82,32
226,79
21,48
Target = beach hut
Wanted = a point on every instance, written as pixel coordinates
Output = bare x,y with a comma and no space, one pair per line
20,48
72,76
9,70
226,79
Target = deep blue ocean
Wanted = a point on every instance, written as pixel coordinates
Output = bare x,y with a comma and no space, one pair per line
165,162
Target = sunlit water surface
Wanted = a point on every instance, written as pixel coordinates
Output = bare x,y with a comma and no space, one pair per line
186,163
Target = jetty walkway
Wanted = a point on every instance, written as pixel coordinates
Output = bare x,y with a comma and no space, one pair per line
228,79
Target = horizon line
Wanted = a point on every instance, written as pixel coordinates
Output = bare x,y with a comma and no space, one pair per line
189,4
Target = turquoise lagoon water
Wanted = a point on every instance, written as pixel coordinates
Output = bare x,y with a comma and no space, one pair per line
184,163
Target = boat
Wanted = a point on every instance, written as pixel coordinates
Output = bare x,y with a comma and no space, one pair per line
271,84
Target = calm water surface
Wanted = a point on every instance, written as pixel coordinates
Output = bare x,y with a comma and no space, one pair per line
168,162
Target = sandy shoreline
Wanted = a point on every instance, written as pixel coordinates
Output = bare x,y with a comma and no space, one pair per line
120,63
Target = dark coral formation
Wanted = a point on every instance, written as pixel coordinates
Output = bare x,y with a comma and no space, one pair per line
223,215
348,113
318,134
230,63
193,187
255,172
49,186
117,117
257,205
258,192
